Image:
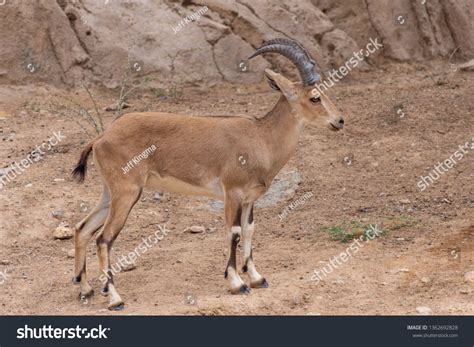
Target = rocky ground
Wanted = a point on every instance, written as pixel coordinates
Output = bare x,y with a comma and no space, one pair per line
401,121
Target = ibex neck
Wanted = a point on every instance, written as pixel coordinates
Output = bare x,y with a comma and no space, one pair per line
284,129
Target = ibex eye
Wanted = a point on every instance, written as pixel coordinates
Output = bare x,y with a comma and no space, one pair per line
315,99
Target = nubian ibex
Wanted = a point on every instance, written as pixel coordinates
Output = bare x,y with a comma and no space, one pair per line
233,159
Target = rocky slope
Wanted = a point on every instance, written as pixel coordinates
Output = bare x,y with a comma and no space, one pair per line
203,43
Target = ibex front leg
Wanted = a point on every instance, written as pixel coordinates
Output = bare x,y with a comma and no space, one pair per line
233,212
248,227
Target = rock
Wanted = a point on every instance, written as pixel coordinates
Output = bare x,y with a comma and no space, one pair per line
340,47
196,229
424,311
426,280
469,66
469,276
58,213
87,42
282,189
395,271
115,106
5,262
71,253
157,196
404,201
128,267
62,233
464,291
5,171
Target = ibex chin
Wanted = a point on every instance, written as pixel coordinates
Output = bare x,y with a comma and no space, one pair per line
233,159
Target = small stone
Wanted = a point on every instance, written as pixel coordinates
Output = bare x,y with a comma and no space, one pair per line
29,185
58,213
469,276
59,180
62,233
426,280
115,106
404,201
71,253
400,239
424,311
6,170
5,262
464,291
157,196
196,229
128,267
395,271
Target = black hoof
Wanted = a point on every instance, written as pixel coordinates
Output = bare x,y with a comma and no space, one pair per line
119,307
244,289
76,280
85,296
260,284
104,291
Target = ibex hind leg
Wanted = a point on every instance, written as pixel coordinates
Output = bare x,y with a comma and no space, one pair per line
84,232
122,202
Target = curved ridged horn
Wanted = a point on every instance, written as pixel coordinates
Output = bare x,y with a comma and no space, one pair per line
296,53
290,42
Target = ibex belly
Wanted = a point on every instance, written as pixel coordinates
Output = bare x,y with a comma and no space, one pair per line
212,188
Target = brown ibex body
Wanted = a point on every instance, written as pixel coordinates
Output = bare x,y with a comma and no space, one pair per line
230,158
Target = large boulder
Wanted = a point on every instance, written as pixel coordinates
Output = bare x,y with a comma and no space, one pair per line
182,42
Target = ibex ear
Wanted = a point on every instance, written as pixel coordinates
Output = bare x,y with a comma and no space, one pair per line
278,82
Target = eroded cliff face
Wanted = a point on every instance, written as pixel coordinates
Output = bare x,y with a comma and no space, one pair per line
202,43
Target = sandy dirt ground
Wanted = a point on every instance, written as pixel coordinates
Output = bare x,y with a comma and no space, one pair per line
401,121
